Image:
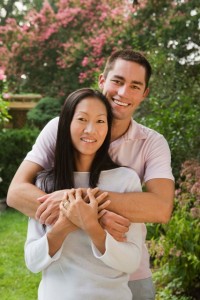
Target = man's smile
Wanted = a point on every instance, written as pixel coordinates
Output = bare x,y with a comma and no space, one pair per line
120,103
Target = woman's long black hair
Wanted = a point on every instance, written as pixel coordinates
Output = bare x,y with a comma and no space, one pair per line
64,163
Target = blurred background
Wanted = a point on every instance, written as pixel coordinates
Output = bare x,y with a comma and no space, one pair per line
50,48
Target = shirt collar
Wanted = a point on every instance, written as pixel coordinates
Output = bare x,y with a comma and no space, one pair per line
135,131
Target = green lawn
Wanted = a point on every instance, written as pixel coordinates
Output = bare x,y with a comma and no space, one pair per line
16,282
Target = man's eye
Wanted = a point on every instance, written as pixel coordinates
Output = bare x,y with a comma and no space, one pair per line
116,81
135,87
101,121
82,119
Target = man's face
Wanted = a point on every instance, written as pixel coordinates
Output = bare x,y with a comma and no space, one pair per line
124,88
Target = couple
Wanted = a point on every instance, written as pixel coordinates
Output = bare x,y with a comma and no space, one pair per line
125,84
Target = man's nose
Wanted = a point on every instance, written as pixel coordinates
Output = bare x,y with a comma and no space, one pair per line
123,91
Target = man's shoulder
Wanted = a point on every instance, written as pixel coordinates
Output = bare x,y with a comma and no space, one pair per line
51,127
53,121
140,131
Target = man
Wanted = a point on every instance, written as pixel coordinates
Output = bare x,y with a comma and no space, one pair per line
125,84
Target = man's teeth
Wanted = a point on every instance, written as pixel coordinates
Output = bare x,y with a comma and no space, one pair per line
120,103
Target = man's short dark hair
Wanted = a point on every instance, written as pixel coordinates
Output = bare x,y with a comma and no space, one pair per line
129,55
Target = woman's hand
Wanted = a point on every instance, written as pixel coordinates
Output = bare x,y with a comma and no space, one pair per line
85,215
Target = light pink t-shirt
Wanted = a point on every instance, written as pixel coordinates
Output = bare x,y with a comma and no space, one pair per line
140,148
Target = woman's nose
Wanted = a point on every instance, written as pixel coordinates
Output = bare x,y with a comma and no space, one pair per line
89,128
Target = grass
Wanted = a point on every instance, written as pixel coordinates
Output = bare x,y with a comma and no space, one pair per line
16,281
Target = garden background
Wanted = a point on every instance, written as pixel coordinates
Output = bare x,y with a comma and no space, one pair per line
53,47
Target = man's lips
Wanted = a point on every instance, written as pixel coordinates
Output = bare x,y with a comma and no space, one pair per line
120,103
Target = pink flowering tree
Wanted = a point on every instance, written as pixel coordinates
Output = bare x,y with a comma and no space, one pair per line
58,50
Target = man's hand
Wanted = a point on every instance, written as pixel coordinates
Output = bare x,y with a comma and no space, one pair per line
48,211
115,224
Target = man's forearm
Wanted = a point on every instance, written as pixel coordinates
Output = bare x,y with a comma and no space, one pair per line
154,206
22,193
23,198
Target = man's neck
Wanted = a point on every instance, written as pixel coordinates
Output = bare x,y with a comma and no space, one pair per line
119,128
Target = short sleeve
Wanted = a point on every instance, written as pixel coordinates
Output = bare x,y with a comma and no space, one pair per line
43,150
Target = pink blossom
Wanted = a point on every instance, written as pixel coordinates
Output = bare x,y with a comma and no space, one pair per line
2,74
82,77
6,95
85,61
195,212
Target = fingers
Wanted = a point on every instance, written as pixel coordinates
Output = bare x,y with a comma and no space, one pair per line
70,195
41,210
78,194
92,200
51,219
115,224
93,191
101,213
43,198
49,216
102,197
103,205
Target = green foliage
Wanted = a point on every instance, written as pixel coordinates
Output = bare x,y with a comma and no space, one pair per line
15,143
16,281
179,122
177,250
4,115
46,109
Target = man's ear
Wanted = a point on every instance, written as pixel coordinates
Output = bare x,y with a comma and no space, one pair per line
101,81
146,93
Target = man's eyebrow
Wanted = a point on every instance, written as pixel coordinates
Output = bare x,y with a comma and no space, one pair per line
118,77
134,81
137,82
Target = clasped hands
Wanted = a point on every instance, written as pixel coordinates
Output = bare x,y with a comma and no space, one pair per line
82,207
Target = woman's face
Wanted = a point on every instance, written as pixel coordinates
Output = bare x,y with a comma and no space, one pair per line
88,128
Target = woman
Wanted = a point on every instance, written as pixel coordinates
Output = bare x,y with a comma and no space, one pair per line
76,256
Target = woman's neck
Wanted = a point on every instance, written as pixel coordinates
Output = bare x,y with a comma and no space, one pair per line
83,163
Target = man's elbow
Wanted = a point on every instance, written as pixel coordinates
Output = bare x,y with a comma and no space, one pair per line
12,196
166,212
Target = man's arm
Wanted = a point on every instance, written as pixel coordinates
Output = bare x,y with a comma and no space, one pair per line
22,193
153,206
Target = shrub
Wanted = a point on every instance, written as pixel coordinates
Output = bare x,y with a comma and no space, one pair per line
176,252
46,109
4,115
15,143
179,122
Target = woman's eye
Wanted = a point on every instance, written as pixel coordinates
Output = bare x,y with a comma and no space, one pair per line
101,121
